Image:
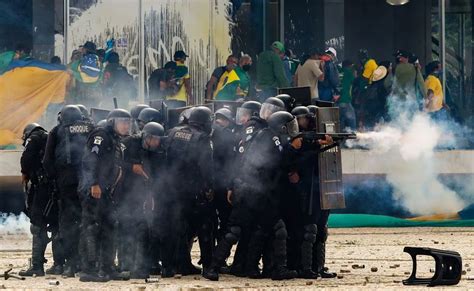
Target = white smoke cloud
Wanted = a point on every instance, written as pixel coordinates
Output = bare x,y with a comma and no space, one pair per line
14,224
406,147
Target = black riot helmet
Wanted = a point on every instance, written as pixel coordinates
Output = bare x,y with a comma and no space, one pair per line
283,124
148,115
201,117
288,100
302,111
152,133
84,111
246,111
29,129
135,111
303,116
70,114
225,113
270,106
184,116
313,109
120,120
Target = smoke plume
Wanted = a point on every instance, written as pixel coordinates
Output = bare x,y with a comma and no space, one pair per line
406,148
13,224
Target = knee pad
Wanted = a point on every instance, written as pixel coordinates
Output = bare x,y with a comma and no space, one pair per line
280,230
35,230
233,235
322,235
310,232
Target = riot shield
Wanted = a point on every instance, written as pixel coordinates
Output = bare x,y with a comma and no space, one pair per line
302,95
99,114
329,162
172,115
231,105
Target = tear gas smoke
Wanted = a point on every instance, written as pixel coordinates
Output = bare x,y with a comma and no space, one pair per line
13,224
406,146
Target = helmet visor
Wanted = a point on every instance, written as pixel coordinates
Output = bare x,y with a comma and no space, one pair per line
243,115
268,109
122,125
292,128
151,142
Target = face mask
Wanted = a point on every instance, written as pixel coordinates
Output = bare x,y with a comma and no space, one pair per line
246,67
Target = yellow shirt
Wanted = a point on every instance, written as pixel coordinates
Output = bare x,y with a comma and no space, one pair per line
369,68
434,84
181,74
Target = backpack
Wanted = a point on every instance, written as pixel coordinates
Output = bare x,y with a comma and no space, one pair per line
90,66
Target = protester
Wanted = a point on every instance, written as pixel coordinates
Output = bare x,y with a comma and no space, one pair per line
435,102
346,110
328,87
182,78
271,71
310,73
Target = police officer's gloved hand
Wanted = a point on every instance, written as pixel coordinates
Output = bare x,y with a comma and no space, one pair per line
297,143
138,169
327,141
96,192
294,177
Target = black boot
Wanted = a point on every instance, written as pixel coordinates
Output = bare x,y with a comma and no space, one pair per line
280,270
320,259
254,254
89,273
167,272
211,273
282,273
35,270
309,238
69,270
238,270
307,274
55,270
39,242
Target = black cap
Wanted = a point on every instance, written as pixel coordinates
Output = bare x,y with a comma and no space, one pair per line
90,46
402,54
180,55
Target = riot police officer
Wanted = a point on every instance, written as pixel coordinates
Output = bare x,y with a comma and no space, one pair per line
37,200
185,208
85,113
256,199
223,140
134,112
148,115
144,159
102,173
62,161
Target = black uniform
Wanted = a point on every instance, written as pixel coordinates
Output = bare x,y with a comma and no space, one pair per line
102,166
38,198
256,200
185,209
62,161
245,136
303,207
224,141
135,205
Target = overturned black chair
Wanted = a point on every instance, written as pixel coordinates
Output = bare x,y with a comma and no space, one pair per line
448,267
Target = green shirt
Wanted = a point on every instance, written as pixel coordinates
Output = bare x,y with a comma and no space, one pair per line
347,80
270,71
408,80
244,81
5,59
